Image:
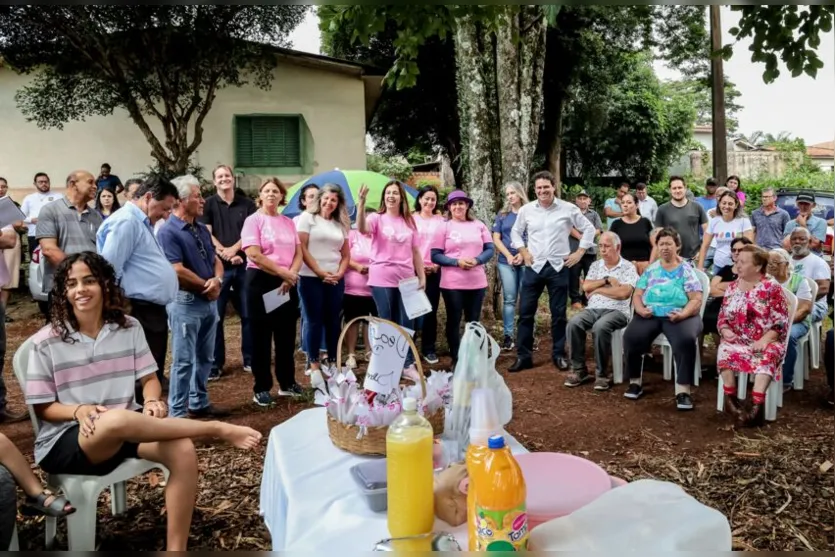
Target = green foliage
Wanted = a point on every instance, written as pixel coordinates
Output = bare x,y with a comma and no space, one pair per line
163,62
635,126
393,167
790,32
700,94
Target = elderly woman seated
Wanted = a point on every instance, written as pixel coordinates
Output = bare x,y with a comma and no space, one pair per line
81,377
667,300
780,269
753,325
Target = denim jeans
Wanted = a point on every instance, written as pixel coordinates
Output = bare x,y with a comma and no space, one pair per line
819,309
461,302
511,277
234,288
533,284
193,323
322,306
323,347
797,331
390,307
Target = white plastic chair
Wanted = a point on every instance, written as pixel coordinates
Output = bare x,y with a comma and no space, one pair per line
815,331
774,394
14,545
82,491
667,349
806,362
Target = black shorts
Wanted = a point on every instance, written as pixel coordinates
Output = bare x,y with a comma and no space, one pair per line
67,457
357,306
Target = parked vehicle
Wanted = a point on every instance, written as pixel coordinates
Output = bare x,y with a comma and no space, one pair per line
824,202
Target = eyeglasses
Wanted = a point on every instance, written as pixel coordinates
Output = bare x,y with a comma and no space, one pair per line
736,250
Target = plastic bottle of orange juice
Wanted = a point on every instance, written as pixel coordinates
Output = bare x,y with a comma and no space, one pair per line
501,514
410,474
484,422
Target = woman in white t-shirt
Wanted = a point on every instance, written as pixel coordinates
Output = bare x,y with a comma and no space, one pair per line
729,224
323,233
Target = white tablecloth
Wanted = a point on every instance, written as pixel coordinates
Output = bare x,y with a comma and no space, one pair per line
309,500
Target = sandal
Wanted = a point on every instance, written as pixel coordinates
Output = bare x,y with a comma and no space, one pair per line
58,507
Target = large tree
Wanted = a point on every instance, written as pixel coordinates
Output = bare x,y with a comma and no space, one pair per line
157,62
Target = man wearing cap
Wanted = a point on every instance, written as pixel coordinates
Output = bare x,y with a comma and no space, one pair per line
806,219
708,200
578,298
646,205
548,222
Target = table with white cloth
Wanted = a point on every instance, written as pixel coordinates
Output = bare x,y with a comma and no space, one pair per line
309,500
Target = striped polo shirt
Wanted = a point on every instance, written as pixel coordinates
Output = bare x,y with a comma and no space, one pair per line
101,371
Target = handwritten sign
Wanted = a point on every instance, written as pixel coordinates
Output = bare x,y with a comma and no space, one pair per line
388,354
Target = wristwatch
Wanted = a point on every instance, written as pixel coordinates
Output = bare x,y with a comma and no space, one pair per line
219,280
606,281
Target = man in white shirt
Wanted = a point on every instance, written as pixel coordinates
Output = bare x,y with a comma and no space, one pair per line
608,285
547,222
811,266
646,205
32,205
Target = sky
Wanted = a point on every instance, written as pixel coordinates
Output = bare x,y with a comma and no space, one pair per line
802,106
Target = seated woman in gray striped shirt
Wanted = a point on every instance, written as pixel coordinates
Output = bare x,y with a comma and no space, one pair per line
81,376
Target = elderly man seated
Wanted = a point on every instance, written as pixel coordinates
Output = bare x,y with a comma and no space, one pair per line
806,263
608,287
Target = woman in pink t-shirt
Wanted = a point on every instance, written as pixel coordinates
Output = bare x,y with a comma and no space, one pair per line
735,185
462,249
357,301
429,223
274,258
395,252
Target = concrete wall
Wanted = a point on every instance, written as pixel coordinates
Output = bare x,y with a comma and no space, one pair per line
332,104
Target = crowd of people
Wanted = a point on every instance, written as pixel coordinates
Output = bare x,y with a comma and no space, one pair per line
122,278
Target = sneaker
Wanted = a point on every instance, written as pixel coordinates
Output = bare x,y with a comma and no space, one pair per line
214,375
602,384
294,390
507,345
684,401
431,358
263,399
577,378
351,362
247,368
634,392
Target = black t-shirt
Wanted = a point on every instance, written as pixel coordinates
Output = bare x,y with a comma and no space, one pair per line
634,239
227,219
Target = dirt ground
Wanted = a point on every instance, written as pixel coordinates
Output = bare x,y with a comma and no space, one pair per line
774,484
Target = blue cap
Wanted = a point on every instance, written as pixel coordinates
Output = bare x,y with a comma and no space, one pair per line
495,442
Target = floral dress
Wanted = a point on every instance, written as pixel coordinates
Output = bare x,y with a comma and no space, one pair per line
750,315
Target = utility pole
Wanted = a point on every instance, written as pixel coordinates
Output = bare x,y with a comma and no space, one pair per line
717,78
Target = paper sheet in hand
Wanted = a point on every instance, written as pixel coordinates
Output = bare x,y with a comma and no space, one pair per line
274,300
414,299
9,213
388,354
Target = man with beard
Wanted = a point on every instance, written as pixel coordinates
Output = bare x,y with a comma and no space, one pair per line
32,205
811,266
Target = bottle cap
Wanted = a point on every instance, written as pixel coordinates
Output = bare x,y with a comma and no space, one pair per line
409,404
496,442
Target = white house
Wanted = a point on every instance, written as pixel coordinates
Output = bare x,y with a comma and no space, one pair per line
823,154
312,119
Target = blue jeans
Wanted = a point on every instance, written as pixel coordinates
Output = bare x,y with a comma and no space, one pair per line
193,323
511,277
390,307
322,305
797,331
323,347
819,310
234,288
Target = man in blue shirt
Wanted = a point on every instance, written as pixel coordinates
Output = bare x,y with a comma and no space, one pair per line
193,314
108,180
708,201
806,219
127,241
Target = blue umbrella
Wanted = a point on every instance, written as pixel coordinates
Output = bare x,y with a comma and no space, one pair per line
350,181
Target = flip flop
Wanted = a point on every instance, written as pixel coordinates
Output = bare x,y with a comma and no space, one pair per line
57,508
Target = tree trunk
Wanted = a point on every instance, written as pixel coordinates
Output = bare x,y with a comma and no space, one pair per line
520,61
554,160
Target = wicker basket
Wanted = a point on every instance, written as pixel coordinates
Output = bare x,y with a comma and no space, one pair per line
344,436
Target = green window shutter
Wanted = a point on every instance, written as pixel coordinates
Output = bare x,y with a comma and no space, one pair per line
267,141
